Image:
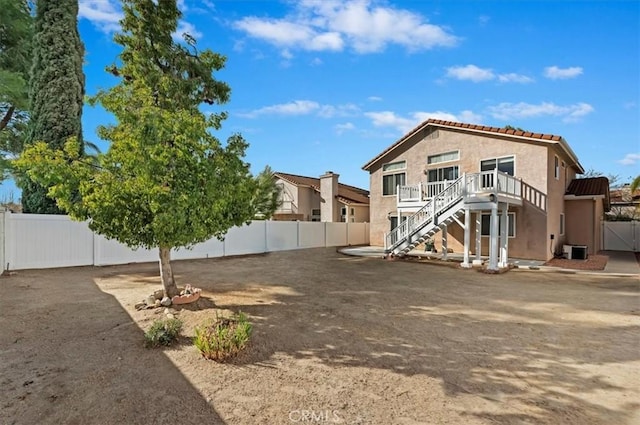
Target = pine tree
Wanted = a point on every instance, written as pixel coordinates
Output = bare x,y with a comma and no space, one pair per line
56,89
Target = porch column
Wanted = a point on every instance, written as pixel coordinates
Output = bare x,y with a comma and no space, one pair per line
504,238
467,238
493,238
478,260
445,244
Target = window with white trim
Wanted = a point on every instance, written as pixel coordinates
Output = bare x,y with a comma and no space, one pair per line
561,224
391,178
485,228
506,164
556,167
443,157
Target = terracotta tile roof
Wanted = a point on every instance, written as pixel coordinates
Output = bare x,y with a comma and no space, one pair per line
346,194
477,128
592,186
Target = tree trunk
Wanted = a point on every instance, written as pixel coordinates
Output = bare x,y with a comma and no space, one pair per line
166,274
7,117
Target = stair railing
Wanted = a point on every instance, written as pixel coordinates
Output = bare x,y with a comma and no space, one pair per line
424,215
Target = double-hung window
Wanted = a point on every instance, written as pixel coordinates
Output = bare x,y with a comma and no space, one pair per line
393,174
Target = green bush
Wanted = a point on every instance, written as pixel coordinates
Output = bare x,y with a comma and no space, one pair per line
224,338
162,332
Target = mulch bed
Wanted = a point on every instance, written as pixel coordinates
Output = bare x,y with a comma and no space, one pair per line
593,262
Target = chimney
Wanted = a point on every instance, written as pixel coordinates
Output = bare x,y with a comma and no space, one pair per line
329,210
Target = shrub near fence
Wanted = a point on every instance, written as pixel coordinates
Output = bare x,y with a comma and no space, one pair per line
35,241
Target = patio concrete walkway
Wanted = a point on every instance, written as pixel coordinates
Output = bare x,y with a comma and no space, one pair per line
620,262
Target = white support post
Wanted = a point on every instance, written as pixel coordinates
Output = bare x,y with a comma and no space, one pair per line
504,238
493,238
467,238
445,243
478,260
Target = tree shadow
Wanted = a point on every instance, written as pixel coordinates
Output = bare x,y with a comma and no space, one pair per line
533,347
72,354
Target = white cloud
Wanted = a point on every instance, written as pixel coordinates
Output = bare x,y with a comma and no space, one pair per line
404,124
507,111
286,54
514,78
316,62
361,25
104,14
330,111
471,73
483,20
630,159
304,107
297,107
341,128
374,99
185,27
555,73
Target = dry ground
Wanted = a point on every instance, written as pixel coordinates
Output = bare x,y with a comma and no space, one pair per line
352,340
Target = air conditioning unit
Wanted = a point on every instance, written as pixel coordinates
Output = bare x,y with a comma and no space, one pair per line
575,252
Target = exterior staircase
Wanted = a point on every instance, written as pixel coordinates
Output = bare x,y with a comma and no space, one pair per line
441,210
470,191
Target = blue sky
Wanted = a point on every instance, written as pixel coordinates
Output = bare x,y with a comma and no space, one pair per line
328,84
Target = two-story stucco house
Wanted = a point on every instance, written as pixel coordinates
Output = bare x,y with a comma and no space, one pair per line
320,199
482,190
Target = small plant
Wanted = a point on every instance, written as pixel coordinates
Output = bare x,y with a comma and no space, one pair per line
224,338
430,245
162,332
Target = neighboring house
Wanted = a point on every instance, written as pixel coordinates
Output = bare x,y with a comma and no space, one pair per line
320,199
479,190
625,205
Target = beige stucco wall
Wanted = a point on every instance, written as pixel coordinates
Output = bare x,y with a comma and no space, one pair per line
583,221
533,225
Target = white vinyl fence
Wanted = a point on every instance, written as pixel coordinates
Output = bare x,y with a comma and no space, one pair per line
35,241
621,235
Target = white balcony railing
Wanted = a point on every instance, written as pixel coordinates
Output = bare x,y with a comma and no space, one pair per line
443,195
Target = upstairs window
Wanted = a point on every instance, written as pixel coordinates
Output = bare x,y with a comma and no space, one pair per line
391,177
506,164
556,168
442,174
443,157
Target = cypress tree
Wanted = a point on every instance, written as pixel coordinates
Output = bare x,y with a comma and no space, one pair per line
56,89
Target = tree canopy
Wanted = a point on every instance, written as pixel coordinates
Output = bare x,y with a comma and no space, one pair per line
165,181
15,61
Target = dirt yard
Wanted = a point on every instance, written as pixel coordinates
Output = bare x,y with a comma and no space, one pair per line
337,339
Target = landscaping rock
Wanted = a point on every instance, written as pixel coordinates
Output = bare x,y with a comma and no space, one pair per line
165,302
157,303
141,305
159,294
150,300
170,316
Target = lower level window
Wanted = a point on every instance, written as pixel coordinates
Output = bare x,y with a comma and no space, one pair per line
511,225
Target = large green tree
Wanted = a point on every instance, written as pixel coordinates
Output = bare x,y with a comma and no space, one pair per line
56,89
166,181
16,29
